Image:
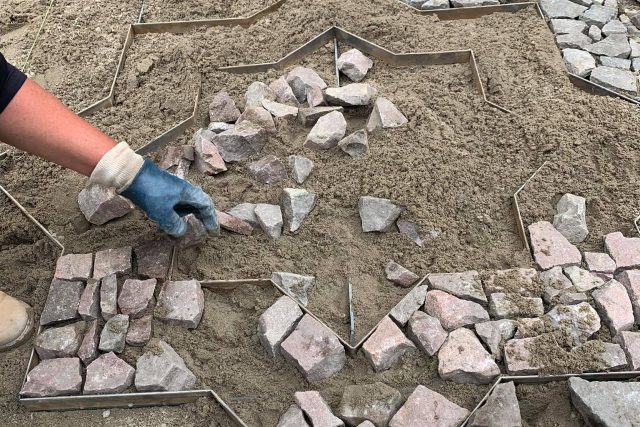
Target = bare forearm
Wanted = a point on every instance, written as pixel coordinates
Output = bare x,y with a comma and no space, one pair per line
36,122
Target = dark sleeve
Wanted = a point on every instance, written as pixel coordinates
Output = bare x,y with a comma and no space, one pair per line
11,80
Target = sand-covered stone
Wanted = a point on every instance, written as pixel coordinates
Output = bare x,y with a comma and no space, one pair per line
463,359
302,80
375,402
550,247
88,350
619,408
453,312
153,259
509,306
140,331
466,285
54,377
243,141
408,305
74,267
160,368
518,358
301,168
385,115
62,341
350,95
270,219
296,285
571,298
62,301
100,205
108,374
316,409
386,345
425,407
522,281
181,303
500,409
614,306
223,109
355,144
354,64
426,332
296,205
570,218
583,280
625,251
377,214
555,283
114,334
399,275
581,321
136,297
276,323
327,132
495,333
294,417
112,261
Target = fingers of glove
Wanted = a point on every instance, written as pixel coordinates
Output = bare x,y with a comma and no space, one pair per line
205,210
173,224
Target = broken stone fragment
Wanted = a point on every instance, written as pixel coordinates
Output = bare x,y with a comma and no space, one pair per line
355,144
62,302
268,170
276,323
550,248
598,15
435,4
153,259
256,93
112,261
425,407
527,327
293,417
583,280
88,350
580,320
385,115
518,359
410,230
354,64
350,95
301,80
599,262
625,251
109,296
623,64
223,109
296,205
614,306
466,285
566,26
89,305
314,350
630,341
101,204
615,79
495,333
108,374
426,332
196,233
595,33
280,111
315,97
555,282
452,312
606,403
513,306
301,168
573,41
232,223
74,267
181,303
399,275
571,298
241,142
63,341
614,27
114,334
54,377
500,409
283,92
317,410
561,9
270,219
136,297
246,212
377,214
140,331
386,345
522,281
208,160
615,46
219,127
178,160
570,219
327,132
375,402
630,279
296,285
463,359
259,117
310,116
613,357
408,305
160,368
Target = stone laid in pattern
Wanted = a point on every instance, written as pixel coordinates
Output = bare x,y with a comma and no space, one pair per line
425,407
74,267
108,374
386,345
62,341
317,410
463,359
136,297
160,368
619,408
114,334
614,305
276,323
296,285
62,301
453,312
408,305
625,251
181,303
89,304
550,247
466,285
112,261
426,332
54,377
375,402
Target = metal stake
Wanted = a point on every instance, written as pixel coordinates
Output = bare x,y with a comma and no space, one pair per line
352,318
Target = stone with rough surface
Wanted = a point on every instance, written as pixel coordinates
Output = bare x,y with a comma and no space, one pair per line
196,233
296,205
296,285
561,9
599,262
426,332
256,93
435,4
241,142
500,409
615,79
598,15
310,116
276,323
283,92
246,212
317,410
108,374
181,303
571,298
162,369
62,302
583,280
386,345
527,327
355,144
623,64
410,230
301,168
618,409
280,111
234,224
207,158
54,377
377,214
615,46
630,341
375,402
550,248
63,341
101,204
314,350
614,27
512,306
114,334
580,320
566,26
555,283
614,306
112,261
219,127
140,331
350,95
625,251
270,219
293,418
573,41
354,64
88,350
136,297
463,359
466,285
630,279
595,33
425,407
302,80
74,267
521,281
399,275
385,115
518,359
570,218
268,170
408,305
223,109
327,132
109,296
259,117
153,259
453,312
495,333
89,305
613,358
178,160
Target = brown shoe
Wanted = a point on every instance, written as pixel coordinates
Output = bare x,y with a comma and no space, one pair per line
16,322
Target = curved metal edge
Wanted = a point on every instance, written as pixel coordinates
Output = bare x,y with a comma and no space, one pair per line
518,214
27,60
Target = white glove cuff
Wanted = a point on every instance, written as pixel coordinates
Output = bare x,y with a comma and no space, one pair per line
117,168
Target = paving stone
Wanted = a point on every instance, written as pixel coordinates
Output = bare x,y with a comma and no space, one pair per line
314,350
100,205
599,262
630,341
410,230
109,296
315,97
386,345
301,168
570,218
208,160
223,109
276,323
354,64
283,92
399,275
196,233
620,408
293,418
245,212
108,374
495,333
136,297
613,358
301,80
74,267
268,170
425,407
583,280
614,306
561,9
426,332
474,3
62,341
566,26
234,224
327,132
523,281
463,359
518,359
54,377
355,144
317,410
256,93
296,205
550,248
625,251
375,402
615,46
572,298
514,306
377,214
555,283
112,261
453,312
635,48
350,95
615,79
435,4
88,350
466,285
528,327
62,301
280,111
630,279
270,218
89,305
408,305
595,33
140,331
259,117
573,41
634,18
623,64
160,368
385,115
296,285
241,142
310,116
181,303
579,320
614,27
153,259
219,127
500,409
114,334
598,15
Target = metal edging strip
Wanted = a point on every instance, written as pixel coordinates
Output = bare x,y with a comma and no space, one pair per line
518,214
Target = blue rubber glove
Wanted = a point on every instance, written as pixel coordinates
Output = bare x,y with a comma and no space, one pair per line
166,199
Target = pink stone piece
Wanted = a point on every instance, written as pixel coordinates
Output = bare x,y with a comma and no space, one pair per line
518,359
453,312
160,368
54,377
317,410
550,248
520,280
223,108
386,345
100,205
234,224
181,303
399,275
62,302
88,350
599,262
293,417
112,261
268,170
136,297
140,331
108,374
153,259
614,306
385,115
630,341
425,407
74,267
625,251
208,160
259,117
61,341
89,305
463,359
466,285
426,332
630,279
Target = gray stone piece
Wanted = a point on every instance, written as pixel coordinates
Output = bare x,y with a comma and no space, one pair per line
512,306
619,408
89,305
296,205
426,332
598,15
245,212
54,377
88,350
327,132
276,323
580,320
153,259
570,218
112,261
62,341
623,64
463,359
613,357
301,168
243,141
474,3
100,205
466,285
160,368
384,348
555,283
583,280
615,46
283,92
375,402
270,219
350,95
74,267
108,374
399,275
614,305
355,144
435,4
268,170
572,298
561,9
453,312
495,333
385,115
317,410
566,26
615,79
310,116
614,27
140,331
377,214
223,109
62,302
500,409
219,127
408,305
136,297
595,33
293,418
573,41
296,285
109,296
256,93
425,407
114,334
181,303
302,80
354,64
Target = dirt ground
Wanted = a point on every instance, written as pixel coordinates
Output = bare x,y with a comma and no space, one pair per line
453,167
